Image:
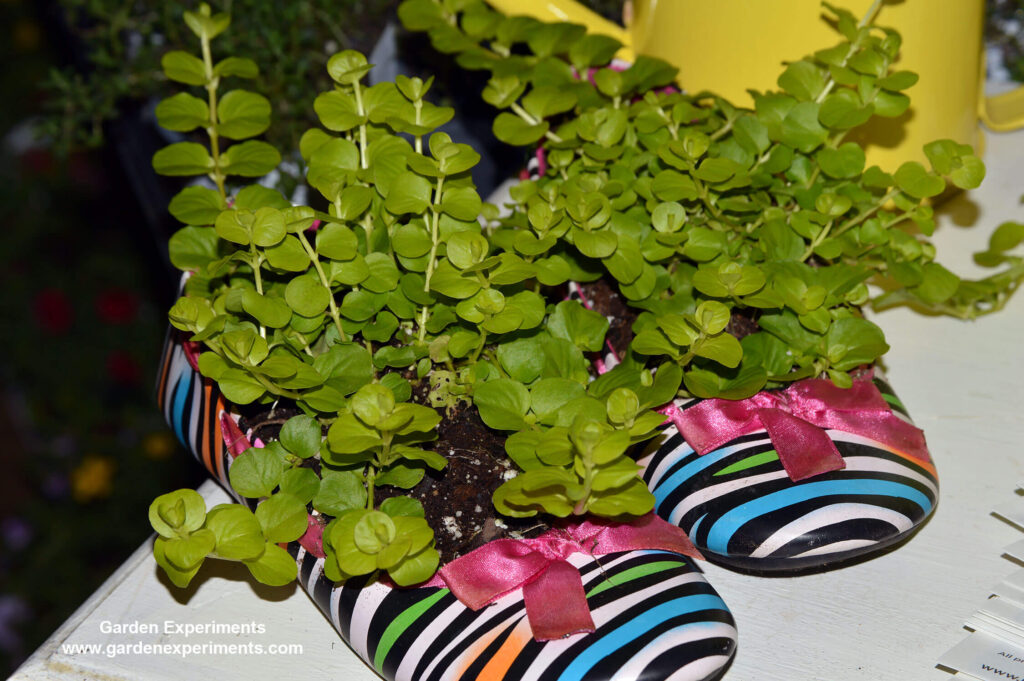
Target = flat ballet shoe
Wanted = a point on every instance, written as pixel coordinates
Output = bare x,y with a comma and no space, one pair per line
740,504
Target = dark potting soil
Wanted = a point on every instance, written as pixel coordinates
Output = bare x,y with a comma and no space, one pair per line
743,322
457,499
265,425
606,301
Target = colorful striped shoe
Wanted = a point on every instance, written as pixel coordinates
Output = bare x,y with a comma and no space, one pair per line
743,507
655,615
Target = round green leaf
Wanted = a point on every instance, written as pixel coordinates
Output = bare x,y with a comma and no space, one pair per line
347,67
275,567
306,295
192,248
256,472
340,492
301,436
268,227
183,158
184,68
970,173
182,510
249,159
269,311
512,129
242,114
412,240
596,244
182,113
845,162
912,178
383,273
238,533
409,193
236,66
337,242
196,205
301,483
282,517
289,255
502,403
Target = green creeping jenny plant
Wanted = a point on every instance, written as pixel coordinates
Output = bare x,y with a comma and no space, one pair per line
746,238
341,313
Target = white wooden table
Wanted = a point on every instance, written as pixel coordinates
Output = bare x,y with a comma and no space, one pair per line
887,618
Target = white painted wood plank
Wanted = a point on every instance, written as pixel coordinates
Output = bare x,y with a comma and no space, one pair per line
887,618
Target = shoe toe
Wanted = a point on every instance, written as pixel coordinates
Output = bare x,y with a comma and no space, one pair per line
739,506
655,614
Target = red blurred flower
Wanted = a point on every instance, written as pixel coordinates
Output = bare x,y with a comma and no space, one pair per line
122,367
52,310
39,162
117,306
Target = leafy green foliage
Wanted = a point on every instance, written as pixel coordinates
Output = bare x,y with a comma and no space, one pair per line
319,308
188,534
395,538
582,467
711,218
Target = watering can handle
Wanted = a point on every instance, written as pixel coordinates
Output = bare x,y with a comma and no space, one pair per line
1004,111
573,12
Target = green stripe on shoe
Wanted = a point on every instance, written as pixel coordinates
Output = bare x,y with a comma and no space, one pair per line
894,401
749,462
633,573
400,624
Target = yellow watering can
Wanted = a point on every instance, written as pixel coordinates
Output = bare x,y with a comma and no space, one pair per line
730,46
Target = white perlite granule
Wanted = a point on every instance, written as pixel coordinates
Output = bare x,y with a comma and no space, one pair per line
451,527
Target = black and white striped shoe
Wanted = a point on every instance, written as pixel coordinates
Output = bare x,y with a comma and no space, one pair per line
740,507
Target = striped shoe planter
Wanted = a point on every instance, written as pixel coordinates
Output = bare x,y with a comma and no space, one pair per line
740,508
656,616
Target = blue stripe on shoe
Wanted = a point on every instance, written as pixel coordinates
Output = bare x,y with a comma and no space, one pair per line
674,481
723,529
178,412
628,632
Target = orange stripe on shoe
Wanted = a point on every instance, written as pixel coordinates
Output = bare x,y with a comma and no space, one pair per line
499,665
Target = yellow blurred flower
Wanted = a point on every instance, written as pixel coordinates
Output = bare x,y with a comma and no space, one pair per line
93,478
158,446
26,34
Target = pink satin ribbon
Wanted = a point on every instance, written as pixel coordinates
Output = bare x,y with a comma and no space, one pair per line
556,604
795,419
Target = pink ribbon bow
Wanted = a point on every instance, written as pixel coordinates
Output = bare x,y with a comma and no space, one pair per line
556,604
795,419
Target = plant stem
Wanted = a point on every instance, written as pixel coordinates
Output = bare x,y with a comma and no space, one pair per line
525,115
326,284
256,261
868,18
211,92
866,214
479,348
421,332
362,126
418,106
435,238
371,474
822,235
588,481
273,389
